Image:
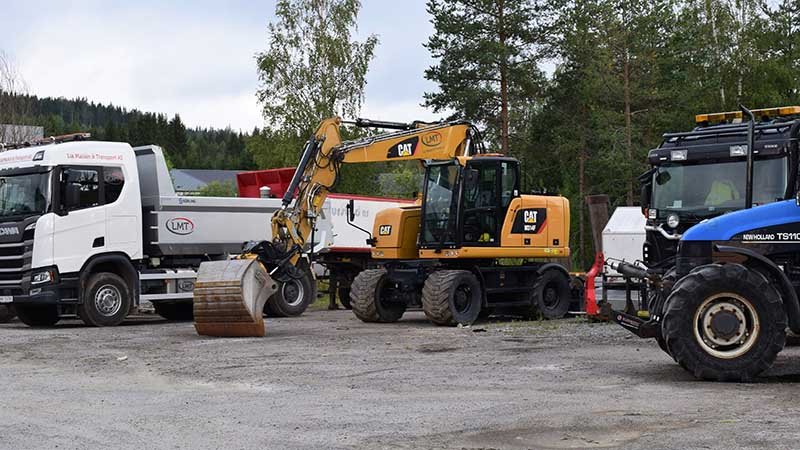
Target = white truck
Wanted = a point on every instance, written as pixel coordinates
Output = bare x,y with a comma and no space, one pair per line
95,230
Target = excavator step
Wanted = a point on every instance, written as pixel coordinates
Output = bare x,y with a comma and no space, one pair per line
229,298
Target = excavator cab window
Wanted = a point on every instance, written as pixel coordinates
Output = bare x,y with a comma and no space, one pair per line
486,200
441,188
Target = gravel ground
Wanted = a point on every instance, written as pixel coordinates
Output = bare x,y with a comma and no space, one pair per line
326,380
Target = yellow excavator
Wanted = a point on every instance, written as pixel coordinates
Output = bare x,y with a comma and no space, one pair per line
470,244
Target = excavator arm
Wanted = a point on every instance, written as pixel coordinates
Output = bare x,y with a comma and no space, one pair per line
293,225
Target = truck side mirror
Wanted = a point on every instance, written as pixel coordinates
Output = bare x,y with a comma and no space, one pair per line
351,211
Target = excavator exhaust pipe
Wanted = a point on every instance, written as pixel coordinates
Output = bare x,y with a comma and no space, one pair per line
229,298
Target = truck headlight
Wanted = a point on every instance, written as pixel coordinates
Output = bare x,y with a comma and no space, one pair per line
45,276
673,220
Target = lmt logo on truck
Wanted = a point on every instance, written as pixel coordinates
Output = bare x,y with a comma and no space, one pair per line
180,225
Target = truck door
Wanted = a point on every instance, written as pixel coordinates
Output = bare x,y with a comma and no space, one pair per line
80,223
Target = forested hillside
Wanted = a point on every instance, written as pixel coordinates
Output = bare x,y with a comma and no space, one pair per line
198,148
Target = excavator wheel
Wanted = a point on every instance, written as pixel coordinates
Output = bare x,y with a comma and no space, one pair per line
551,294
368,297
293,296
452,297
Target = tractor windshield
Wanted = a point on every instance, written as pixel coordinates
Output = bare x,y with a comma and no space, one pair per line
24,194
705,190
440,188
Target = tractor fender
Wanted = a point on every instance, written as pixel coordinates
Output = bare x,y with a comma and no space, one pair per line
791,304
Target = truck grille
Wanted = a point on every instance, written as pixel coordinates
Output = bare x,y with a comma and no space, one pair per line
15,264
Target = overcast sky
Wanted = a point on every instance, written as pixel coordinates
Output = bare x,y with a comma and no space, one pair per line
196,58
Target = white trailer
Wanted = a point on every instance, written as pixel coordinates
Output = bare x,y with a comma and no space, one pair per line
623,238
95,230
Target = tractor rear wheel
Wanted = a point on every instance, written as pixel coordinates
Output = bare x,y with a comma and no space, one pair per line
371,298
724,322
452,297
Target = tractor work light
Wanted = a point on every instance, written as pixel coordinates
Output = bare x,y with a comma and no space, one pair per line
678,155
764,113
738,150
673,220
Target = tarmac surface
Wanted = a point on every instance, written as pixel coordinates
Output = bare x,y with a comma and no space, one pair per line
326,380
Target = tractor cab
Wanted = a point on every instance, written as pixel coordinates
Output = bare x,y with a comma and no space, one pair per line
701,174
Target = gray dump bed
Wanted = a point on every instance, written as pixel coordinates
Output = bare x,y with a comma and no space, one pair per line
182,225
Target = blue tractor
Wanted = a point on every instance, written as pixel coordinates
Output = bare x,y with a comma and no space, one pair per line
723,312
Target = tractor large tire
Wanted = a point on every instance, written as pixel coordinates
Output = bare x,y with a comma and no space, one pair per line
37,315
7,313
724,322
551,294
106,300
368,298
175,311
452,297
293,297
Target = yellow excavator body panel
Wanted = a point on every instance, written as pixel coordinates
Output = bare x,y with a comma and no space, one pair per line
395,232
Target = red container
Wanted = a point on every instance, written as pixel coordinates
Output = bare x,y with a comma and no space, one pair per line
276,179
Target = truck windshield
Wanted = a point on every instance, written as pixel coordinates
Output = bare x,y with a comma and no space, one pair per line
705,190
439,190
24,194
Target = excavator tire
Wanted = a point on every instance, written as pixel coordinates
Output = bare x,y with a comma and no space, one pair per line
452,297
551,294
366,294
293,296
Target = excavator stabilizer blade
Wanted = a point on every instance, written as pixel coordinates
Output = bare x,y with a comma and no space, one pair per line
229,298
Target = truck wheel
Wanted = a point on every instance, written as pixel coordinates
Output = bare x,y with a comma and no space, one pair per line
369,297
724,322
452,297
178,312
7,313
37,315
344,297
293,296
106,300
551,294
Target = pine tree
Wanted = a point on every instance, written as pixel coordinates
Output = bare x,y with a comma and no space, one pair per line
488,54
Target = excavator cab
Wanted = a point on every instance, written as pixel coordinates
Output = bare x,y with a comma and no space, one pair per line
467,204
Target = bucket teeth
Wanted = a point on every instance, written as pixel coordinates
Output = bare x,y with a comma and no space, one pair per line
229,297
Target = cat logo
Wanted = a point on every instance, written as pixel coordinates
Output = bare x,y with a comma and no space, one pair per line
531,216
405,149
432,139
384,230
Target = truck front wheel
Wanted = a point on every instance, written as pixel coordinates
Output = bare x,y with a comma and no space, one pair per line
106,300
7,313
724,322
37,315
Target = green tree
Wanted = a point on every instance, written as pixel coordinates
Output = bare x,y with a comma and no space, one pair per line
176,141
488,53
313,68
